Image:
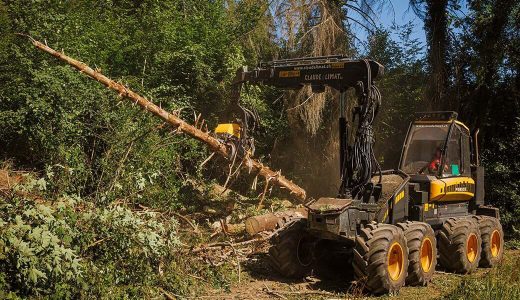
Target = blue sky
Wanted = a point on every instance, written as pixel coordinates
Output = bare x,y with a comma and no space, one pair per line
396,11
399,12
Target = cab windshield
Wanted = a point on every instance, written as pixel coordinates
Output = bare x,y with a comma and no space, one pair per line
425,144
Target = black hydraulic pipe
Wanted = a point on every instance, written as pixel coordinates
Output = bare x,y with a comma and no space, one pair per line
343,136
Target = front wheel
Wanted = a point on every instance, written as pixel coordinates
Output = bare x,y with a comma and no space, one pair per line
423,252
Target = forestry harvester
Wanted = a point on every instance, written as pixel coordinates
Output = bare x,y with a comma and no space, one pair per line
392,226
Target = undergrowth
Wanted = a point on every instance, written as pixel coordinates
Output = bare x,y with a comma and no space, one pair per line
67,248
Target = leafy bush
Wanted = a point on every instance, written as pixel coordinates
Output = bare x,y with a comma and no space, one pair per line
36,254
502,171
128,246
69,248
180,54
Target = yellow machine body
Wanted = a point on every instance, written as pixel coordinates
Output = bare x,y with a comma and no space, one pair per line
452,189
232,129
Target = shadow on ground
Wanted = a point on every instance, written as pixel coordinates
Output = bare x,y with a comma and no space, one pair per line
333,274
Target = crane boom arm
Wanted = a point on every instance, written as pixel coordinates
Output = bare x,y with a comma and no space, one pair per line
338,72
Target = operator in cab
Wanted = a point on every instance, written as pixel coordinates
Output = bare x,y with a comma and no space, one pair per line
433,166
435,163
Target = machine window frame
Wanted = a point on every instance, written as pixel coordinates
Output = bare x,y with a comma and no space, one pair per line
445,150
441,173
462,148
465,159
405,148
409,136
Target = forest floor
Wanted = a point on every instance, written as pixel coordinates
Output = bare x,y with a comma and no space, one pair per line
258,281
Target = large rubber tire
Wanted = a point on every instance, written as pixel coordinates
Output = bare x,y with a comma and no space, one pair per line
375,256
291,251
459,245
422,247
492,241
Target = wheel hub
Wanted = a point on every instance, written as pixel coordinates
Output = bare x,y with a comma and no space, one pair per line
395,261
495,243
471,247
426,255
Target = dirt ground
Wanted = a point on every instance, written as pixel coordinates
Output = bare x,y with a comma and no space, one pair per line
258,281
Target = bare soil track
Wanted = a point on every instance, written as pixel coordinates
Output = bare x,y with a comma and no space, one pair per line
260,282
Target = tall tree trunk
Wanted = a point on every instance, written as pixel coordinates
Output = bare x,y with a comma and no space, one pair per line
436,27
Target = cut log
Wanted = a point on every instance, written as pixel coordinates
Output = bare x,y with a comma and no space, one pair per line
212,143
273,221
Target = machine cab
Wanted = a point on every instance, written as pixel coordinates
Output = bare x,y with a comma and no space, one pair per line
437,153
437,145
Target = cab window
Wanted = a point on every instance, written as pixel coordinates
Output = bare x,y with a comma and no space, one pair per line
453,158
424,148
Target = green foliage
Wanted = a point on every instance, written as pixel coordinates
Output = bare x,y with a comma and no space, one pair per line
135,242
5,38
502,171
69,248
401,87
36,251
181,54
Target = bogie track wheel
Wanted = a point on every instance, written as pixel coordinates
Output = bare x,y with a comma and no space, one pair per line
381,258
292,251
459,245
492,240
422,247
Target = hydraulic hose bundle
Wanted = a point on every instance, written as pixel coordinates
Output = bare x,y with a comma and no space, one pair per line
360,163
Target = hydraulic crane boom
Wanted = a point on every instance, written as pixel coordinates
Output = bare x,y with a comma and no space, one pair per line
357,162
338,72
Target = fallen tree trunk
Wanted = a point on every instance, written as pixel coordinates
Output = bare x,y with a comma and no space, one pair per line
272,221
213,144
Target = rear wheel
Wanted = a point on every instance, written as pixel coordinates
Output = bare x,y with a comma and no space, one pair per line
292,251
460,245
422,249
381,258
492,240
